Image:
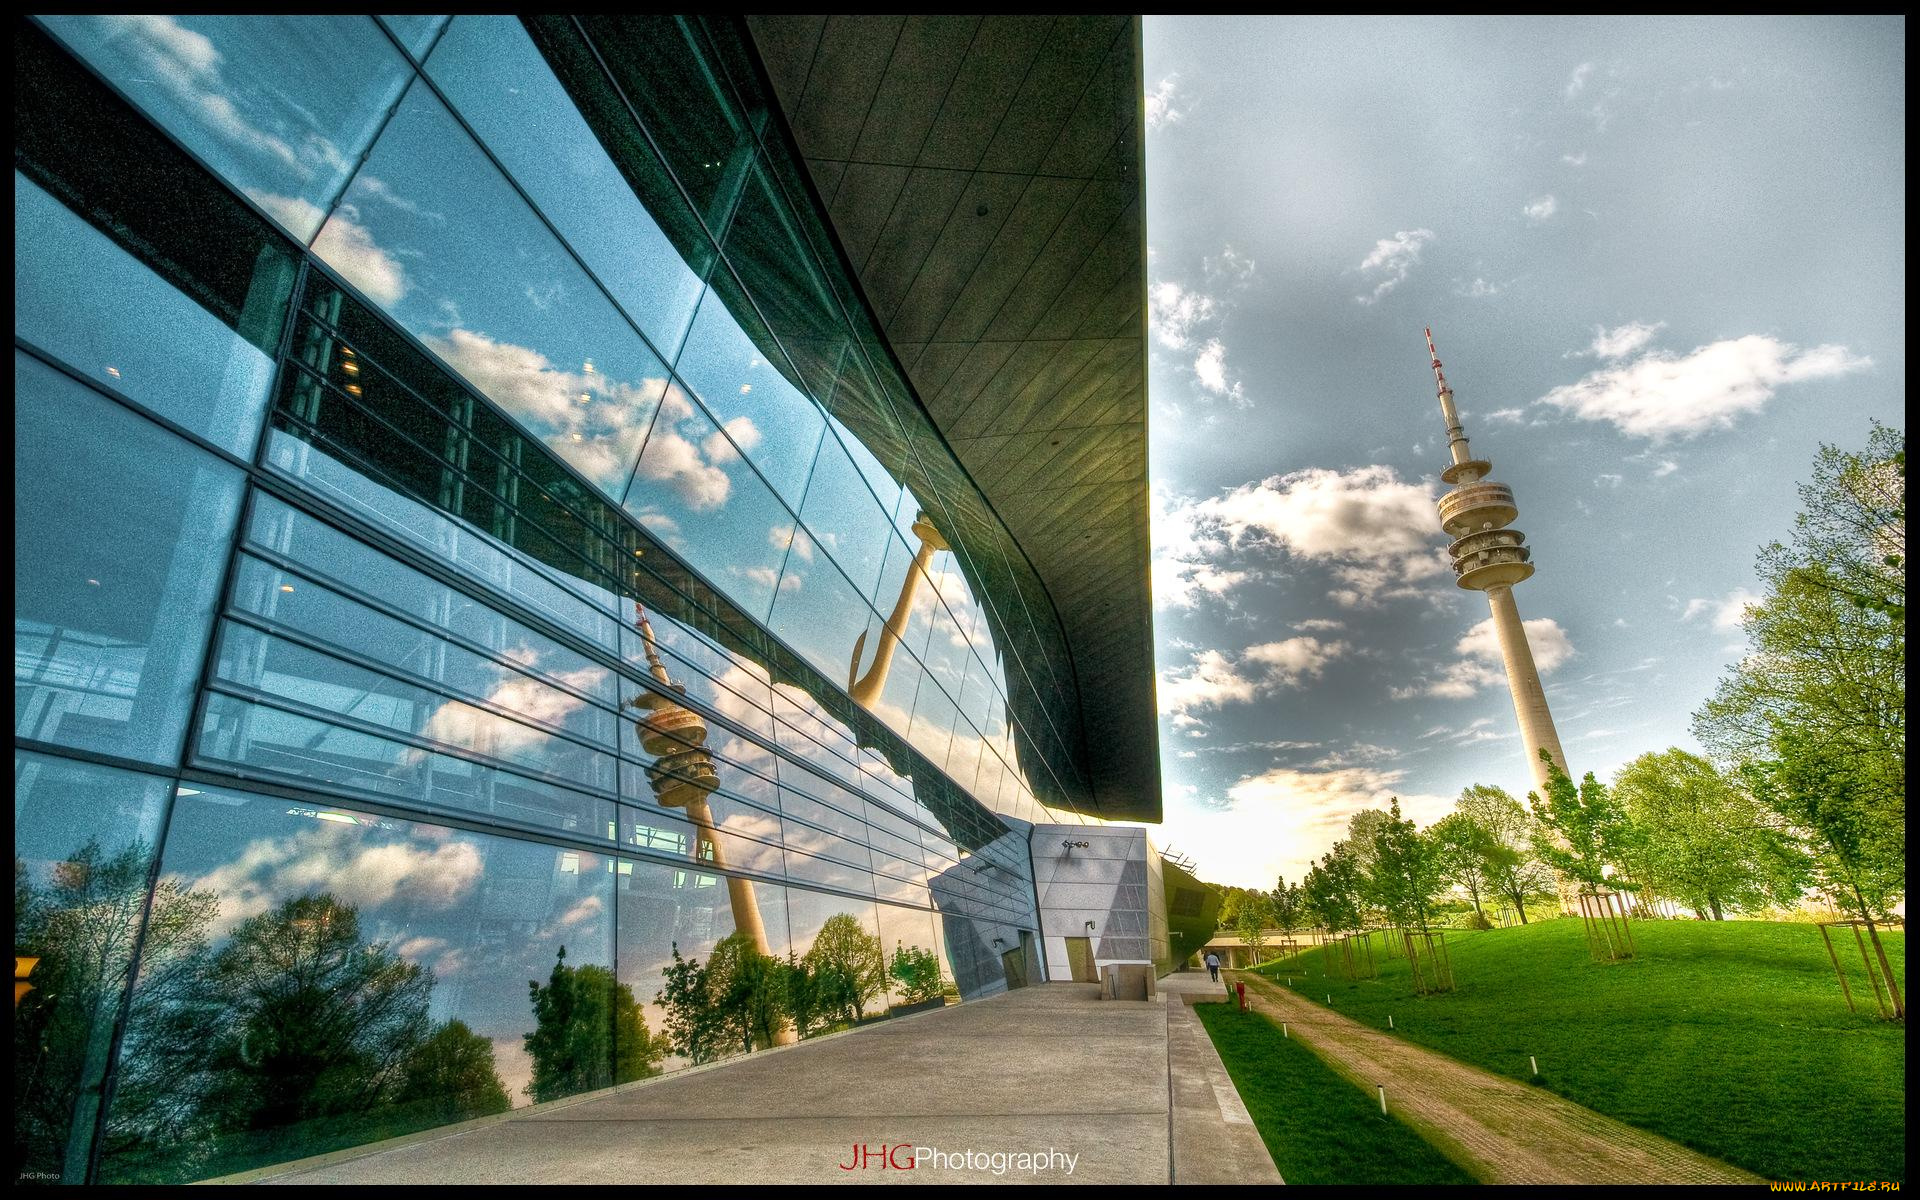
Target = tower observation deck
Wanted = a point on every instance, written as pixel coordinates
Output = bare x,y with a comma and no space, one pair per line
1490,557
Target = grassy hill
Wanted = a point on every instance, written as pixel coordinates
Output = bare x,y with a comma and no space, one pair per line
1730,1037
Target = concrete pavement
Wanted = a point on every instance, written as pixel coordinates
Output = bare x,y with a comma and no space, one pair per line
1094,1091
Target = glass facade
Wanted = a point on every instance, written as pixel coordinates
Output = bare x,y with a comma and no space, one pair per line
492,621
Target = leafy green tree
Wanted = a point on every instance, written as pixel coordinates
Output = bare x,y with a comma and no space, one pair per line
804,1004
917,971
1858,852
1587,818
1701,838
748,989
1828,660
694,1025
313,1022
848,965
582,1016
1251,924
1512,868
1331,891
1463,849
452,1075
1289,906
1407,870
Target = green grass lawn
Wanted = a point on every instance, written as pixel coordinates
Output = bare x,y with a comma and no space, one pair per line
1318,1127
1730,1037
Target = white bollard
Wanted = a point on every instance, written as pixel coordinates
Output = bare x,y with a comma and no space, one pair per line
1535,1063
1383,1099
1389,1020
1329,997
1283,1030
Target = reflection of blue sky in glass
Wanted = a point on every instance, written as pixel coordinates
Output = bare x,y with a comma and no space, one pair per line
501,84
430,232
773,422
281,106
415,31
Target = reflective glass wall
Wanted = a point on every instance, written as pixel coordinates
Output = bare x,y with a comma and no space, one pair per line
491,623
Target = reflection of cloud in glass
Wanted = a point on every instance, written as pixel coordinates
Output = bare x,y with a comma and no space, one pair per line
346,246
766,577
356,870
186,64
434,954
589,908
674,460
600,439
460,724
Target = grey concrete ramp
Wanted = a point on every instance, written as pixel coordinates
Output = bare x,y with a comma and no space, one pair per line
1079,1086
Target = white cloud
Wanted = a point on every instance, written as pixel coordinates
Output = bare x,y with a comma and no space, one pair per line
1661,395
1477,662
1664,468
1173,312
1510,415
1578,81
1160,103
1540,209
1229,267
1726,612
1621,340
1210,367
1212,679
1391,260
355,867
346,246
1479,289
1606,479
1575,160
1277,822
1318,624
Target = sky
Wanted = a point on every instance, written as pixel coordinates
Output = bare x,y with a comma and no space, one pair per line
1663,260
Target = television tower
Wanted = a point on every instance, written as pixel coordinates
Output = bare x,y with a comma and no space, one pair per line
1489,557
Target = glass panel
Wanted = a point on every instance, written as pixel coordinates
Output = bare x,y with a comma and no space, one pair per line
694,492
912,945
730,685
838,939
335,978
501,85
932,730
79,296
303,749
84,839
430,233
314,680
842,515
770,420
817,611
111,623
415,31
778,269
945,657
282,107
689,112
524,687
701,953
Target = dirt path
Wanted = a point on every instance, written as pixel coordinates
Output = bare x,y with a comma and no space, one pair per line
1499,1130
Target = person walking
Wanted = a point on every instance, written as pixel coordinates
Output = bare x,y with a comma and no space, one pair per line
1213,966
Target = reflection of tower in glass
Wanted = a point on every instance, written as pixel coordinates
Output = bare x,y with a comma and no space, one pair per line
683,775
866,688
1490,557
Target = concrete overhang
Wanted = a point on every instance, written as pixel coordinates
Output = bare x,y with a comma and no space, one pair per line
984,177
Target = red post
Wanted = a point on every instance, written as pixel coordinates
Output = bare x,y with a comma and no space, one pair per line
1242,989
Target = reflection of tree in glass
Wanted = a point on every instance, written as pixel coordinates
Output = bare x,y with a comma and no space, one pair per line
589,1033
295,1038
848,966
749,989
917,972
452,1073
81,926
693,1026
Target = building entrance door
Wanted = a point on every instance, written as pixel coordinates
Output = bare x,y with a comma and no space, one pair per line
1080,959
1014,962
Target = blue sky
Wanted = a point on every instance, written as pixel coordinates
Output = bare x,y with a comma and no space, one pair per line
1663,261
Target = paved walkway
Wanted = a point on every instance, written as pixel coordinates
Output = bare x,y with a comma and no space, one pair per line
1499,1130
1051,1071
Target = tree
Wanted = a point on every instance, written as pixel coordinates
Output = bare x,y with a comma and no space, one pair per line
694,1027
848,965
452,1075
589,1032
1858,852
917,972
1407,871
1251,924
1288,905
1829,637
1331,890
748,990
1463,847
1702,839
1512,867
1591,824
312,1022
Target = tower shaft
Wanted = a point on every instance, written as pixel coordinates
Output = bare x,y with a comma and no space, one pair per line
1490,557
